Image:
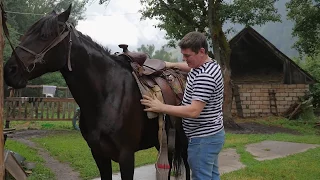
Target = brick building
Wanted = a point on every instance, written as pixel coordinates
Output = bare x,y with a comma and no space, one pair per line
261,73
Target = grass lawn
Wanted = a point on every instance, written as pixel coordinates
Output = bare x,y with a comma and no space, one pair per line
31,155
72,148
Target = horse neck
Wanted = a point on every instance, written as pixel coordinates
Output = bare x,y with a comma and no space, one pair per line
94,76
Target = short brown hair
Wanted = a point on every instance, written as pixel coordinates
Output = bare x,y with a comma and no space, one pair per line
195,41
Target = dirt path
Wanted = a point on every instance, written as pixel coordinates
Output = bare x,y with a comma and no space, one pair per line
61,170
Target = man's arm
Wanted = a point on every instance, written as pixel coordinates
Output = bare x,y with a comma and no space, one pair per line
192,110
182,66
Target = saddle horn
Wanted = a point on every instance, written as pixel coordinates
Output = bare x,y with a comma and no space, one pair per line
124,47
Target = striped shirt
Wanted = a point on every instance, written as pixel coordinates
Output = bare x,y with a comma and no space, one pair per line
205,84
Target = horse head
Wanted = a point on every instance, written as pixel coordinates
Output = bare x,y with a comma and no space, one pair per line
42,49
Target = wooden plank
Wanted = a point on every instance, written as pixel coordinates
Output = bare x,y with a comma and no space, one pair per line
43,99
47,106
2,169
25,110
52,110
58,109
13,167
64,105
19,108
37,119
42,110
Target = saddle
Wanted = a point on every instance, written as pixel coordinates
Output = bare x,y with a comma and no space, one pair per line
150,73
167,85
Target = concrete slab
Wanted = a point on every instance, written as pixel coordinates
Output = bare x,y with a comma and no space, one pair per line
267,150
229,161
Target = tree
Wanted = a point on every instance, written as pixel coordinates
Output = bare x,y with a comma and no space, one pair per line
37,8
178,17
161,54
305,14
148,49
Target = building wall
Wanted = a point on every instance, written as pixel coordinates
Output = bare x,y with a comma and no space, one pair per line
255,98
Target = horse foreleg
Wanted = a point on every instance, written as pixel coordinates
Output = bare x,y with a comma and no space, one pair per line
104,165
126,162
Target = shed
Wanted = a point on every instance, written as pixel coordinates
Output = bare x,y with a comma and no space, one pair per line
268,80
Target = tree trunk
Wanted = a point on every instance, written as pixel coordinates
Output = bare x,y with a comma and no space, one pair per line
2,168
223,52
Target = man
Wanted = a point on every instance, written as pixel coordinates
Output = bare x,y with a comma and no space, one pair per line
201,107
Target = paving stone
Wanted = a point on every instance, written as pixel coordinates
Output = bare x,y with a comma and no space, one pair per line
267,150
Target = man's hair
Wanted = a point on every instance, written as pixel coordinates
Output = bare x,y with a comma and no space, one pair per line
195,41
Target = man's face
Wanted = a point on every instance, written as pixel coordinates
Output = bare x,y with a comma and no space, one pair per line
194,60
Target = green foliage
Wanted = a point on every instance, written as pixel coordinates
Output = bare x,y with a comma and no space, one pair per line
305,14
21,22
14,36
161,54
54,79
178,17
148,49
312,65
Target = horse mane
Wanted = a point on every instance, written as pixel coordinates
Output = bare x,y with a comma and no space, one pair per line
48,25
106,51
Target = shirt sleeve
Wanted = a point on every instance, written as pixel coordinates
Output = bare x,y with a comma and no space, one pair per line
203,87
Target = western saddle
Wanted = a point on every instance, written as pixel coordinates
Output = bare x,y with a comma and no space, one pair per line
151,72
167,85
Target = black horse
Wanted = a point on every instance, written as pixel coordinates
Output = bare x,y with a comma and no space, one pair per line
112,120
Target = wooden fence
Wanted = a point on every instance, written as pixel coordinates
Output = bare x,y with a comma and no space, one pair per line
39,108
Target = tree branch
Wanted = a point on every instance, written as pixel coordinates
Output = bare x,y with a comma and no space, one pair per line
181,14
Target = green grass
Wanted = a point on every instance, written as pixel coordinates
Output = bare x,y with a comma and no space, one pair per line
299,166
48,125
302,126
72,148
40,171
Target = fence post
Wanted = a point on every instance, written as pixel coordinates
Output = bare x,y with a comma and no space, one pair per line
1,99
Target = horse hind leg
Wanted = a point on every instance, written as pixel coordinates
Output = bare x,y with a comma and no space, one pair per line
126,162
104,165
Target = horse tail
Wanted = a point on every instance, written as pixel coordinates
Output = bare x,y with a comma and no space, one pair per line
180,151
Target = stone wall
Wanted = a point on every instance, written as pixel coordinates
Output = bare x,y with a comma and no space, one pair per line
255,98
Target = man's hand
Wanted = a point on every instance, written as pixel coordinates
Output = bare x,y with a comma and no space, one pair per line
154,104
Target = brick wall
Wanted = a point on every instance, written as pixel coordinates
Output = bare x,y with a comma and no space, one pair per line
255,98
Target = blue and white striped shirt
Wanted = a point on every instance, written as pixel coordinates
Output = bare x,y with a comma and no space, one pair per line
205,84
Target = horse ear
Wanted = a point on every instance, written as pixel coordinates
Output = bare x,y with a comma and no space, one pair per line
53,12
64,16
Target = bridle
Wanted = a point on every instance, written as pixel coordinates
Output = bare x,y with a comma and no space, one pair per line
38,57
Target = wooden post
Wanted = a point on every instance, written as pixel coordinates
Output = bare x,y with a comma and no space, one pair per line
1,100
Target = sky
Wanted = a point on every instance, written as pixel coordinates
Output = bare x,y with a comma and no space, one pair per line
119,23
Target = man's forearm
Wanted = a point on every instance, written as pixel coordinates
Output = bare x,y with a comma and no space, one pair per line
182,66
180,111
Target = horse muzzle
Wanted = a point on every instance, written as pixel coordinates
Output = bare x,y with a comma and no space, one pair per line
14,77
